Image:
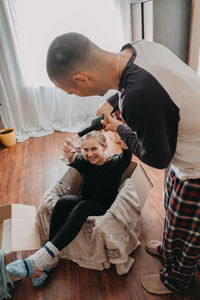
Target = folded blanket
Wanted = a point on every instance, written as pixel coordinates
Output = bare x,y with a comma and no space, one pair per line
103,240
4,279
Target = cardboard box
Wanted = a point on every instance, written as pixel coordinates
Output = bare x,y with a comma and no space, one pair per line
18,230
140,179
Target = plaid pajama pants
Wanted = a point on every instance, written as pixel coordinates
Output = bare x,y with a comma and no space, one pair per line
181,237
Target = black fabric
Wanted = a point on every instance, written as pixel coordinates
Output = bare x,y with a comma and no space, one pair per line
113,100
68,217
101,183
150,114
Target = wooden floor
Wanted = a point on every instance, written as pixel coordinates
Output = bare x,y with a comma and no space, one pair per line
27,170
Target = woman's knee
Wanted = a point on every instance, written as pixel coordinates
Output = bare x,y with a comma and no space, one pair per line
66,204
60,204
90,208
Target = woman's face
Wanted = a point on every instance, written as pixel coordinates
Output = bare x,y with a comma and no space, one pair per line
93,151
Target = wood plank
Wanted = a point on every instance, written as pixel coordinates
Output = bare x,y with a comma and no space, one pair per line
27,170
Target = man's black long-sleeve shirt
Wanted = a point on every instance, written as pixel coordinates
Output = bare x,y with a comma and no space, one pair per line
151,115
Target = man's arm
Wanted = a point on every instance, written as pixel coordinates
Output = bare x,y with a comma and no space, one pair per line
154,146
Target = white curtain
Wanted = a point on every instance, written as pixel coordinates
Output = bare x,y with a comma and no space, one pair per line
29,101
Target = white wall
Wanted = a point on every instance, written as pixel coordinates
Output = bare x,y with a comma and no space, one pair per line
171,25
194,46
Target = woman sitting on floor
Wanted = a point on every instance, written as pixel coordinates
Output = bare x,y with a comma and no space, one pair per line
101,179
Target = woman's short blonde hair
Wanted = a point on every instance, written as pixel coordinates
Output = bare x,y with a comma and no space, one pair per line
98,135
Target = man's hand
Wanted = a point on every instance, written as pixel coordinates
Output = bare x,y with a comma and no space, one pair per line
110,123
104,108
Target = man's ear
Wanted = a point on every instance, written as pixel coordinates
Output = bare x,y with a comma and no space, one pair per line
80,79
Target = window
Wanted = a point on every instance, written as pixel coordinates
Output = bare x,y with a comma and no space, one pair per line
142,20
40,21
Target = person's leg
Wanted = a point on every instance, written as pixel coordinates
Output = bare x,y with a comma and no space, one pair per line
61,212
48,254
75,221
59,215
154,246
44,256
181,240
39,260
181,237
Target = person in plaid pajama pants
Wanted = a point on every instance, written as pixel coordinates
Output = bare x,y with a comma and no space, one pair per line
158,96
181,240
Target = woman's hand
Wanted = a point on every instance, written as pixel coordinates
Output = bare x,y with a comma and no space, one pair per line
68,151
110,123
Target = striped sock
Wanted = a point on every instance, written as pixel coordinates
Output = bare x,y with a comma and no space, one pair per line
37,281
44,256
39,260
41,279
